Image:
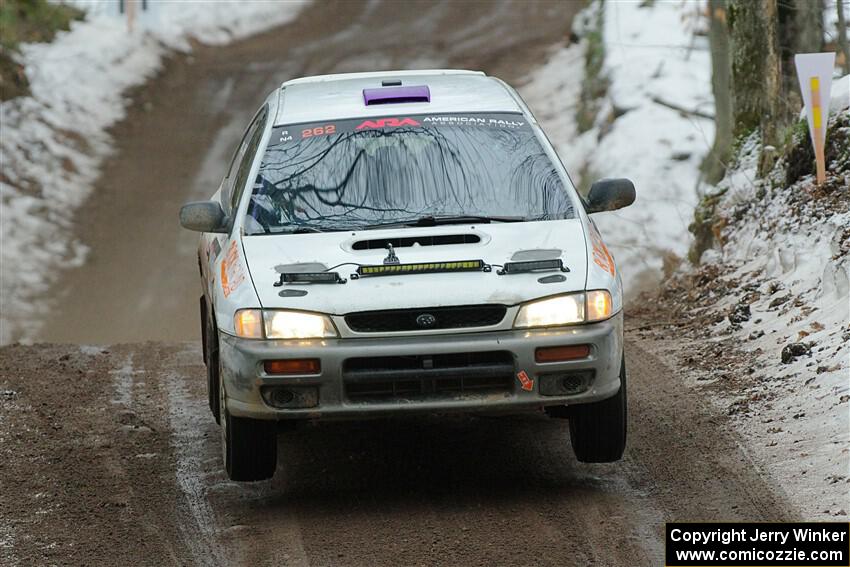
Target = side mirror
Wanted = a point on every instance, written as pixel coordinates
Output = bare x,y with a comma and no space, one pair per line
610,195
203,216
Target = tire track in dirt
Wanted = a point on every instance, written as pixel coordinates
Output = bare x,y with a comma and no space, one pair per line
84,467
141,482
188,433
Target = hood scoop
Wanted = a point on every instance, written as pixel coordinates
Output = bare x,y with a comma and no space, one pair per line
424,240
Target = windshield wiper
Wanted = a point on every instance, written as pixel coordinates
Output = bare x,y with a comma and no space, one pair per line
436,221
301,230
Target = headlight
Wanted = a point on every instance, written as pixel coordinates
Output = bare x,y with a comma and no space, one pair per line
298,325
281,324
565,310
561,310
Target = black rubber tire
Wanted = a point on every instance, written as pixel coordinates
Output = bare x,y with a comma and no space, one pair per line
249,446
598,430
203,320
212,361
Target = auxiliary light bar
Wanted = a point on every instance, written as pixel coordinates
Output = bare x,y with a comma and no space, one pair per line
309,277
422,268
532,266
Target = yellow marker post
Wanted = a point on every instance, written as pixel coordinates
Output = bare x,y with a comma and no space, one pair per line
817,127
814,71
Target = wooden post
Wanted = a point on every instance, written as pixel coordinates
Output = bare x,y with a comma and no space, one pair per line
814,72
131,15
817,128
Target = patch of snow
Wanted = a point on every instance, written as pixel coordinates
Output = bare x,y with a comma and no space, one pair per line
190,429
54,141
790,245
552,93
652,54
801,425
839,94
122,383
90,350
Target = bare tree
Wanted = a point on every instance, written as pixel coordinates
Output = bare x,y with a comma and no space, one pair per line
842,36
714,165
800,30
756,73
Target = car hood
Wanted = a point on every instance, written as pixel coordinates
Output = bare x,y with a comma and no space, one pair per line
497,243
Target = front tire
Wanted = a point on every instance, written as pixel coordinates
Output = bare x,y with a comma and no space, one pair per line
210,337
248,446
598,430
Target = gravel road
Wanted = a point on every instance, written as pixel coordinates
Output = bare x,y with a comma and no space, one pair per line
108,456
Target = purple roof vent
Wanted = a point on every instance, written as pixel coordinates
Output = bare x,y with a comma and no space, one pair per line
397,94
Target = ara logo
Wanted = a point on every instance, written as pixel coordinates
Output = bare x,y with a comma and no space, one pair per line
385,122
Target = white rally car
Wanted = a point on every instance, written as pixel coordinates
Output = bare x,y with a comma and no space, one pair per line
399,242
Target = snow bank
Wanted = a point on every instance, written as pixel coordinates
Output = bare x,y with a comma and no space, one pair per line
653,59
792,248
798,421
53,142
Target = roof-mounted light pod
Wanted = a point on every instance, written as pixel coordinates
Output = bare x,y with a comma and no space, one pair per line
397,95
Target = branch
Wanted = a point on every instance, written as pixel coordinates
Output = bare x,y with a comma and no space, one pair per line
681,109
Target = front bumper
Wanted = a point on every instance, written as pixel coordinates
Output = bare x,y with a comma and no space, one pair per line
244,377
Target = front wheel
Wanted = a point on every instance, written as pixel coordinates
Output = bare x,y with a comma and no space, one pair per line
248,446
210,338
598,430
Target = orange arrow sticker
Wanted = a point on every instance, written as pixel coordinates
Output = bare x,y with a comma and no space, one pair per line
526,382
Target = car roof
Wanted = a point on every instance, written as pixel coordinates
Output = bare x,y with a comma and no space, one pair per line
334,97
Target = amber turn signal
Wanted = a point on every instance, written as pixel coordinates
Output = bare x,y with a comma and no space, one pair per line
561,353
293,366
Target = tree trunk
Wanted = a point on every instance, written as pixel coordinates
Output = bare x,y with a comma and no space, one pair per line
842,36
714,165
756,73
800,31
808,26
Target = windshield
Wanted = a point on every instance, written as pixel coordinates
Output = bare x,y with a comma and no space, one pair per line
364,173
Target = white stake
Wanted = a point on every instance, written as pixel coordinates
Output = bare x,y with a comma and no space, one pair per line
814,71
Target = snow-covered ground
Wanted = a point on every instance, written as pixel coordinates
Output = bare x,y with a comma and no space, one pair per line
797,423
54,141
652,56
789,247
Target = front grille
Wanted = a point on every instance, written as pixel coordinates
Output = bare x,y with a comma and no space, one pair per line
423,377
394,320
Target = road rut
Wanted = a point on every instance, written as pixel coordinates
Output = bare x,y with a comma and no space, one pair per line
98,470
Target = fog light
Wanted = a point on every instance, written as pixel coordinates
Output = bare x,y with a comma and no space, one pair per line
293,366
285,397
281,397
561,353
572,383
566,383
